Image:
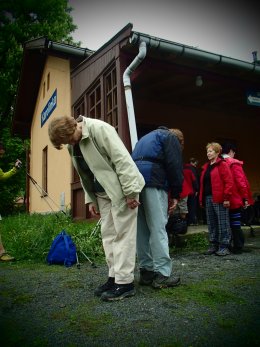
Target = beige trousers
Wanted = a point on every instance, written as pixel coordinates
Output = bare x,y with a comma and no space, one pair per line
118,232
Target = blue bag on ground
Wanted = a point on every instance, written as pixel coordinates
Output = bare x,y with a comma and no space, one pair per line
62,251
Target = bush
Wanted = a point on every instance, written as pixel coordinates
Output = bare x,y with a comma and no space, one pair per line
29,237
14,186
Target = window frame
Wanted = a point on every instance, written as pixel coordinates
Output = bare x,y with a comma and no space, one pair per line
45,171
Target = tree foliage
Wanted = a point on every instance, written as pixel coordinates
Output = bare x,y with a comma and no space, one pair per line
21,21
15,185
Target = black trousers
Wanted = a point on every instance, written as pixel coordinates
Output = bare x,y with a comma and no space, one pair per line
238,238
192,204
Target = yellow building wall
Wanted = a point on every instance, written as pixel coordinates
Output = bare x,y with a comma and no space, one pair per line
56,76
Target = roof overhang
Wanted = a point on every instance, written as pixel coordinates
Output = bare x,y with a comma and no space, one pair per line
169,71
35,54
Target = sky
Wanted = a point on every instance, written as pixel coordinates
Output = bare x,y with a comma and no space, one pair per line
226,27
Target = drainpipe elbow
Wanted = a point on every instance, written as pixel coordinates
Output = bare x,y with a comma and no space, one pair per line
137,61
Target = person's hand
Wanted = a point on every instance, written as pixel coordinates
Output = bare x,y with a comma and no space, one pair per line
226,203
18,164
132,203
172,205
92,209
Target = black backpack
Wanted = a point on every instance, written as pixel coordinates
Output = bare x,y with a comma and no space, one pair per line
176,225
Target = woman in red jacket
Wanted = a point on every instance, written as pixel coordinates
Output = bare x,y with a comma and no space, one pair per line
216,188
241,196
191,176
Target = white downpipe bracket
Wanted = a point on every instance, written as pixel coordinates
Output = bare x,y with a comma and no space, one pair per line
128,92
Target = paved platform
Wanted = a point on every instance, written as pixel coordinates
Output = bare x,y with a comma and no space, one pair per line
203,228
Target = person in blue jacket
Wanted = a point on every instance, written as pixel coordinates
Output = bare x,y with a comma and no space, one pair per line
158,156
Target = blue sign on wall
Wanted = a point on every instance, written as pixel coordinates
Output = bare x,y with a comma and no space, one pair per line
49,108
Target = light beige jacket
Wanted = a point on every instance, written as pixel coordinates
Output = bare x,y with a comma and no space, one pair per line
109,161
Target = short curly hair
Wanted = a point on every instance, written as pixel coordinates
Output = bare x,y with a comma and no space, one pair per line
61,129
215,145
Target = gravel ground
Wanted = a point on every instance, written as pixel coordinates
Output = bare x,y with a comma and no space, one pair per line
217,304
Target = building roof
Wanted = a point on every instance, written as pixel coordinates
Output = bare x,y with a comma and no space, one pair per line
175,73
35,53
188,55
167,74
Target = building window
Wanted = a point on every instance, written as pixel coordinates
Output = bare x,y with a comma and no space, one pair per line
94,102
48,81
44,171
111,114
79,109
100,100
43,90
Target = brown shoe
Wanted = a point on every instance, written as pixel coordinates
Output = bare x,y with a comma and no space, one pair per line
161,281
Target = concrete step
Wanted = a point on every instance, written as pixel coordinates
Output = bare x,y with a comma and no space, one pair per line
203,228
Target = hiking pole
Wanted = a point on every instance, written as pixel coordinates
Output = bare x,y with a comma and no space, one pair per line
96,227
45,194
78,263
91,262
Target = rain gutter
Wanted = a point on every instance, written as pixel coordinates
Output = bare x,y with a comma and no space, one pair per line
43,44
128,92
177,50
76,51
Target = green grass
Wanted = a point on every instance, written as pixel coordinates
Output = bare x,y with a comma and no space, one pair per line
16,298
29,237
208,293
226,323
82,319
190,243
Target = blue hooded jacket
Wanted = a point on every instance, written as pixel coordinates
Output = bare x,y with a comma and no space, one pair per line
158,156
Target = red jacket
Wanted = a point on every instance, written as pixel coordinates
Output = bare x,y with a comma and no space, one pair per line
190,184
241,188
221,182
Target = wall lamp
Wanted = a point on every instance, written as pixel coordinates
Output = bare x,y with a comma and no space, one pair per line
199,81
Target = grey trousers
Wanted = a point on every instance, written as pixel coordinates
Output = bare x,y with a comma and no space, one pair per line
152,238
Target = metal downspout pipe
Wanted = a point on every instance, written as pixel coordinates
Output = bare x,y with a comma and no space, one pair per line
128,92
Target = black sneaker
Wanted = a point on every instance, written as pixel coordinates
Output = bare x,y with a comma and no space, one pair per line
161,281
146,277
119,292
104,287
237,250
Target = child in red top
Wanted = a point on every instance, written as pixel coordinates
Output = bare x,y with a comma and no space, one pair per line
241,195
